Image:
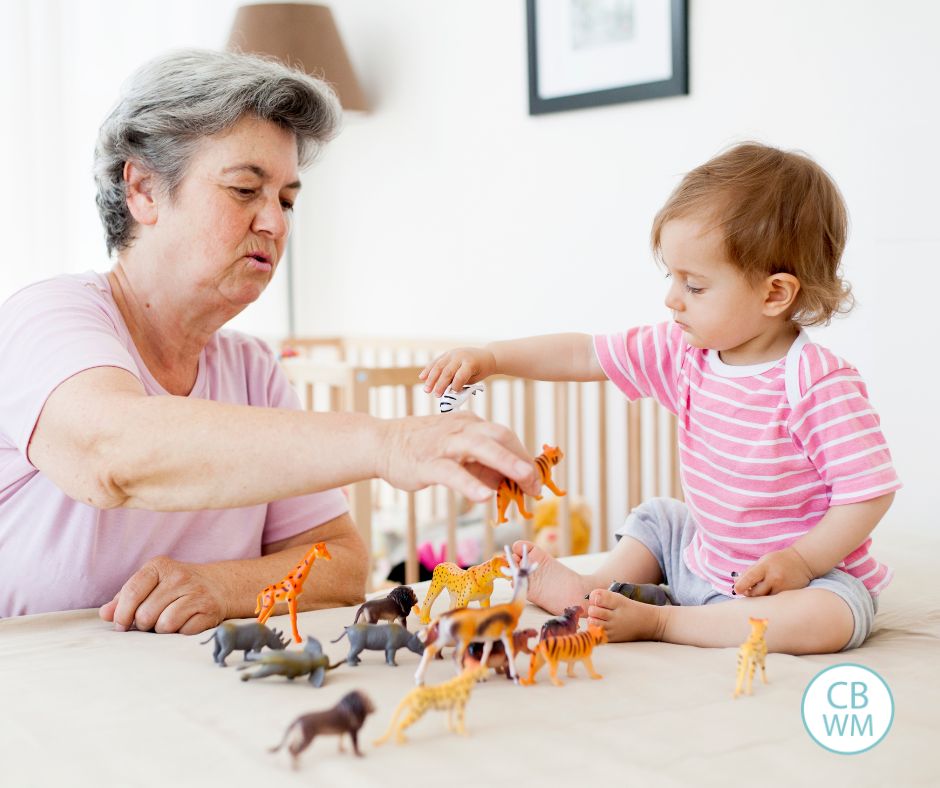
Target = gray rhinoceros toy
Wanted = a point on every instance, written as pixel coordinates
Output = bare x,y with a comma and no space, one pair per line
292,664
379,637
253,636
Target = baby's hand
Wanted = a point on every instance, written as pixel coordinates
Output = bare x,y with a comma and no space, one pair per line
782,570
456,368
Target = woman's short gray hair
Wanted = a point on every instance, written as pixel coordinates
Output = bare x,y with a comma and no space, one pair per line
174,101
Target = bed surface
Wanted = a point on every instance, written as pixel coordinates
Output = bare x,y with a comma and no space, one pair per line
83,705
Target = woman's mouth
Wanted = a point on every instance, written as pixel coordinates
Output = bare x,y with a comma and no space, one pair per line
258,261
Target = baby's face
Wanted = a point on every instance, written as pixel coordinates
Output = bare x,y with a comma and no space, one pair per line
709,298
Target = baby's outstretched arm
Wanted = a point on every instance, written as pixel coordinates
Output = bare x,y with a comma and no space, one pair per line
549,357
838,533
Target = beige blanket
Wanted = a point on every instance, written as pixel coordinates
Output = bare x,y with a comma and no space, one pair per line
83,705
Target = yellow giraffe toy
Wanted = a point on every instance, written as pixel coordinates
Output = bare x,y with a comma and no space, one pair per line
290,588
463,585
451,696
752,653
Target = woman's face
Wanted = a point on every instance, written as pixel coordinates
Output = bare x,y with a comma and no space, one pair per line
225,229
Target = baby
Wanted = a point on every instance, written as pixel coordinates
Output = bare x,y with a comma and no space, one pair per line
784,466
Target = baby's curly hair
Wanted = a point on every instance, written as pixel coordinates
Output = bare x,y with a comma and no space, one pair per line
779,212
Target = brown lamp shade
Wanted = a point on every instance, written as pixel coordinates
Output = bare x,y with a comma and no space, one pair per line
300,35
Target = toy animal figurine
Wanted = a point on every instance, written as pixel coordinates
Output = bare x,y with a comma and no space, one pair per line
567,648
347,716
292,664
647,593
253,636
752,653
463,626
452,400
463,585
565,624
394,607
379,637
290,588
451,696
498,660
509,491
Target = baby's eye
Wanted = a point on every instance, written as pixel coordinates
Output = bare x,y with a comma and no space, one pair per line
694,290
287,205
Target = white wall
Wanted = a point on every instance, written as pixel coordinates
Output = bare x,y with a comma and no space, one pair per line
447,210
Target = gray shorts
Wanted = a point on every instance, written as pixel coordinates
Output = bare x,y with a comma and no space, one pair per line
665,527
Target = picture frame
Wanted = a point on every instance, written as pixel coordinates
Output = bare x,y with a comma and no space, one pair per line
590,53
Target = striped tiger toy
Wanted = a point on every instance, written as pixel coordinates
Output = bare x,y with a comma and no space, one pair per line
567,648
510,491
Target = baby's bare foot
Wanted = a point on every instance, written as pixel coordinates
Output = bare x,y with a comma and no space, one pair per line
553,586
625,620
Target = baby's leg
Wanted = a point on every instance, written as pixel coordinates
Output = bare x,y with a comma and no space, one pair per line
807,621
553,586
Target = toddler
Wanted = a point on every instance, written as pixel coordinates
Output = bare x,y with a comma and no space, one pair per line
784,466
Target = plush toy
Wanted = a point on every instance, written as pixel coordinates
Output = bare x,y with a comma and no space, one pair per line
547,531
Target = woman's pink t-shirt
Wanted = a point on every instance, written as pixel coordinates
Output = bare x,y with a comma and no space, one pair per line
59,554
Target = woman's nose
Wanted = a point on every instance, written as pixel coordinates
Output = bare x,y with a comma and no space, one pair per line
272,220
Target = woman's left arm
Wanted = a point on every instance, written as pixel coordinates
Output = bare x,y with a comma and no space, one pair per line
172,596
840,531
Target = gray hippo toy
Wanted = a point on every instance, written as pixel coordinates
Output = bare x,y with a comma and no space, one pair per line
253,636
292,664
379,637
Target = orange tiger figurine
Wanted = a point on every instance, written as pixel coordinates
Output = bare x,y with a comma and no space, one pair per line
509,491
290,588
567,648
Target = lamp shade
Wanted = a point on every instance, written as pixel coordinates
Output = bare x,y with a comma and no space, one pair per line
303,36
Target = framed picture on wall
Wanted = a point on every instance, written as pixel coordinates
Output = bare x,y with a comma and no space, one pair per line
587,53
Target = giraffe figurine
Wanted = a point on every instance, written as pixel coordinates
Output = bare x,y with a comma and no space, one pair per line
752,653
290,588
451,696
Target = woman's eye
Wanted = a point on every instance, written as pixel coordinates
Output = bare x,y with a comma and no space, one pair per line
243,192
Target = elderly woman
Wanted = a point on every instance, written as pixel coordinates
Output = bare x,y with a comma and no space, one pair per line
157,466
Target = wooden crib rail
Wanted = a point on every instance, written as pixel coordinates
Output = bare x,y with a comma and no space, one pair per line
580,417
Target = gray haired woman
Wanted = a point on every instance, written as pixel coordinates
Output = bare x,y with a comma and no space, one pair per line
151,463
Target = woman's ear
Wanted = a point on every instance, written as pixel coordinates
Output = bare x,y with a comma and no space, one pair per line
139,187
781,291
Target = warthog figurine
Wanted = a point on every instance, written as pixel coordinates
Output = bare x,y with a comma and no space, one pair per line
292,664
253,636
379,637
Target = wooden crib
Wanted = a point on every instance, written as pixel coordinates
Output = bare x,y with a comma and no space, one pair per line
616,453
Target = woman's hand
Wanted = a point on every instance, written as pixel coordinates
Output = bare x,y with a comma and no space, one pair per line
782,570
460,450
168,596
456,368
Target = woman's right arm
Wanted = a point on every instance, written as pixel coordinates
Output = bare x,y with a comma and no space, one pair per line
549,357
103,441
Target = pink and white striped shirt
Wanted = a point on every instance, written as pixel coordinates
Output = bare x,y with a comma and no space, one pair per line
764,450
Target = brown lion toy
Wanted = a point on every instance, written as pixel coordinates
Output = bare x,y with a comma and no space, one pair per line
347,716
394,607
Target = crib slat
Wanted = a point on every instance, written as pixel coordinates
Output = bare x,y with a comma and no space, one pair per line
602,528
411,537
528,438
489,510
560,474
634,456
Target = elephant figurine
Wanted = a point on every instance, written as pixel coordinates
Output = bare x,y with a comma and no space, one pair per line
379,637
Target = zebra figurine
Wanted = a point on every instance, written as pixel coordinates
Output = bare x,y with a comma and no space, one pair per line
452,400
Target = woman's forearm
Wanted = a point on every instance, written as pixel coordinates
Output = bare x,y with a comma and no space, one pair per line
550,357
